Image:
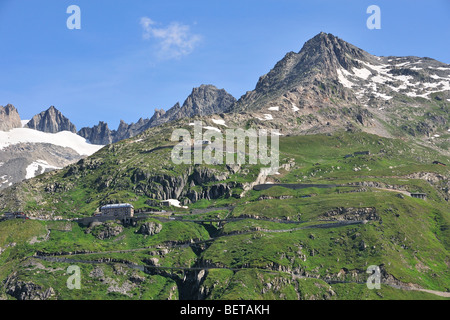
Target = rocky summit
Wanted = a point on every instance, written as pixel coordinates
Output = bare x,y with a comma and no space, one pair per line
203,101
51,121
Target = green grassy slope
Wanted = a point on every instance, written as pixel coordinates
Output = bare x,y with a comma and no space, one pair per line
256,256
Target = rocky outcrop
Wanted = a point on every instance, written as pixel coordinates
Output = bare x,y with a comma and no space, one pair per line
22,290
99,134
52,121
194,184
149,228
9,118
106,230
158,114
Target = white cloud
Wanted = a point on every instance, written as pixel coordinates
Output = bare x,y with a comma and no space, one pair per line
174,41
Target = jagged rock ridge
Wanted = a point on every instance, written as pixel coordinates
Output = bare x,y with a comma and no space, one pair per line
204,100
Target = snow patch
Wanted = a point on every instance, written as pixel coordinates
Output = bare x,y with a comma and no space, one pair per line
439,68
362,73
294,107
220,122
212,128
207,127
35,166
175,203
267,116
274,109
380,79
342,79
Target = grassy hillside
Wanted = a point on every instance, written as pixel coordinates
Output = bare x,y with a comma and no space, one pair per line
277,243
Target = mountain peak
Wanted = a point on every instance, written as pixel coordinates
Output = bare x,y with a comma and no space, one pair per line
9,118
325,47
51,121
320,58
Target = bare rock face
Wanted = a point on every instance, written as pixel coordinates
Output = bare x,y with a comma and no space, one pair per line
51,121
22,290
150,228
9,118
106,230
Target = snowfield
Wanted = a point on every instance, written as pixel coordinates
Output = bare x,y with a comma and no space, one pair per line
62,139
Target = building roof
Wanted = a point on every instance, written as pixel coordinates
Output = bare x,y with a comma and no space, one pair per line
118,205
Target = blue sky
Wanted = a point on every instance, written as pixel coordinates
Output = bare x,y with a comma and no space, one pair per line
133,56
